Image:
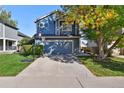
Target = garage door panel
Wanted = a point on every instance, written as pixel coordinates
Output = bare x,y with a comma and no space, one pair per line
59,47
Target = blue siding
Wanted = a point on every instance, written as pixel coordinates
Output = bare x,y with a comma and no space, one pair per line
49,27
57,45
49,23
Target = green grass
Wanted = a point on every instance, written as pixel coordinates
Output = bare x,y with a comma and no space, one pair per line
111,67
11,65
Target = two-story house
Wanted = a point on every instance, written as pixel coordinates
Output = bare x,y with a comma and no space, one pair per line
9,37
57,37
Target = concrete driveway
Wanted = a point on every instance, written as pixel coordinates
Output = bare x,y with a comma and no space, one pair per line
48,72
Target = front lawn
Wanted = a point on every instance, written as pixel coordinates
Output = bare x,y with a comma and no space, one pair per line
11,65
112,67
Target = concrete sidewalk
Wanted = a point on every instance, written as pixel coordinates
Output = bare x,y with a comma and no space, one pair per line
48,73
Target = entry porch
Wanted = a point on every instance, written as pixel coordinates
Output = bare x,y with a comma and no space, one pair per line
8,45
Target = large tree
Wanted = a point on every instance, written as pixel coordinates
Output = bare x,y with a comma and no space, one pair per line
6,16
102,24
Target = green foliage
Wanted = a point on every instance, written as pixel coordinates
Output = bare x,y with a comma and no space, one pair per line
32,50
6,16
111,67
38,49
90,34
11,65
25,41
27,50
101,23
121,44
99,19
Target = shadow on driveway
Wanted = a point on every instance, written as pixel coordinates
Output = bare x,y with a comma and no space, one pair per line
68,58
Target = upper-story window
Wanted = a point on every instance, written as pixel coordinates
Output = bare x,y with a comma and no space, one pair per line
41,25
66,27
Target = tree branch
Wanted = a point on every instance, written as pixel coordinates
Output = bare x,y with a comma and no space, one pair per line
116,42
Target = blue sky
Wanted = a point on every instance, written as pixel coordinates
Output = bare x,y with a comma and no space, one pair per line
25,15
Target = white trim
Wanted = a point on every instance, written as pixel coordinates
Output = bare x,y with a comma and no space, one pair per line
42,17
61,37
9,39
4,44
58,40
72,41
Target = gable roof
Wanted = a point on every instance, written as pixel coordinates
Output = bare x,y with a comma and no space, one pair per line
42,17
19,33
8,24
22,34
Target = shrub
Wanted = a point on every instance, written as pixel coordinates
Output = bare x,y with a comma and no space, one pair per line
32,50
27,50
38,50
25,41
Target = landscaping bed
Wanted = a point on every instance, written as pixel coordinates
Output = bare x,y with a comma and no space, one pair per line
111,67
11,64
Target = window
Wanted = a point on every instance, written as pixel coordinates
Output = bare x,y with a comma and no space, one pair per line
42,25
66,27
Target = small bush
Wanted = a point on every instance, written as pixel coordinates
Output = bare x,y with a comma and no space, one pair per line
38,50
26,41
32,50
27,50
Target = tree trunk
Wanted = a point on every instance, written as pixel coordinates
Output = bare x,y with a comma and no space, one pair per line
115,43
101,47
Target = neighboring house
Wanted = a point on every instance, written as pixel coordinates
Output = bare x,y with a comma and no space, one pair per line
117,51
9,37
83,43
57,37
88,46
21,36
91,46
